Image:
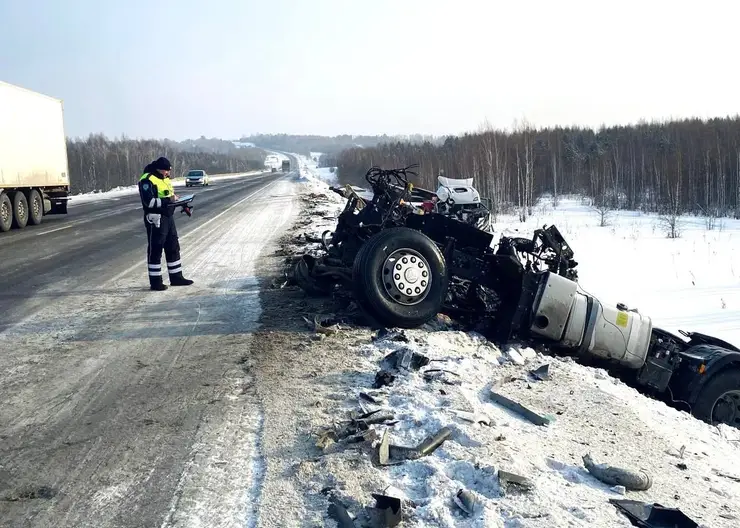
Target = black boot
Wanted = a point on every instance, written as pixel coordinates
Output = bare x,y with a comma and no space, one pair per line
176,279
156,284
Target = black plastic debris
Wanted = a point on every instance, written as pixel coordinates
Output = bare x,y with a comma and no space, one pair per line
391,508
518,408
386,335
541,373
383,378
404,358
339,513
655,515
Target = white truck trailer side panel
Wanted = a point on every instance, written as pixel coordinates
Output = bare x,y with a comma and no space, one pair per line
33,148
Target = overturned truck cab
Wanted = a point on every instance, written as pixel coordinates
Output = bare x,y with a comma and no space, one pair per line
405,264
699,373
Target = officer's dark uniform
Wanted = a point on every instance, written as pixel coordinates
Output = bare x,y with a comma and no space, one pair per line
157,194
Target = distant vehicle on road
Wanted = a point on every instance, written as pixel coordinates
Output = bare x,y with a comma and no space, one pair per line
272,162
286,165
34,172
197,177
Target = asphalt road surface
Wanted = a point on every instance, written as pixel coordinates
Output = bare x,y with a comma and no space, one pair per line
127,407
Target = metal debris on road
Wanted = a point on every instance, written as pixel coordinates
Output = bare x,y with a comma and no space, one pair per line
466,501
389,454
477,418
404,358
518,408
541,373
506,479
615,476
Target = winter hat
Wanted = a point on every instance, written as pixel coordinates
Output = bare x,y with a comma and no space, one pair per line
162,164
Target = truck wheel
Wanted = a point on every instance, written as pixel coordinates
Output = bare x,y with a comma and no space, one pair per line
20,210
6,213
719,400
35,207
400,277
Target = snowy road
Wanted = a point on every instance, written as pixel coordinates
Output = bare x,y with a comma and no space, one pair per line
126,407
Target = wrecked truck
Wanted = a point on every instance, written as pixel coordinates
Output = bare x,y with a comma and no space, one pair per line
404,264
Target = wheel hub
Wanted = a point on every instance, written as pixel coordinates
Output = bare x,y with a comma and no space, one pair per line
5,212
406,276
727,409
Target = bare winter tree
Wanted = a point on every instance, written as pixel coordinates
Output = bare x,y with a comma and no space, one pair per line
605,212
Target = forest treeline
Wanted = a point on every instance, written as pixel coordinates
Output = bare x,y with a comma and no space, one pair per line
100,164
328,145
687,166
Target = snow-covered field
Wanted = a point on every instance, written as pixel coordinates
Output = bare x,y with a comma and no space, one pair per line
688,283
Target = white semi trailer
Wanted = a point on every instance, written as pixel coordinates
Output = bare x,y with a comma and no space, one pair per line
34,171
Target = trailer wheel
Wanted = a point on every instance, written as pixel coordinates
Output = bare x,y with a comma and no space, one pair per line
20,210
719,400
400,277
6,213
35,207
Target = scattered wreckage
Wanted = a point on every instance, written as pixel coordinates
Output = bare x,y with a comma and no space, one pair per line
405,263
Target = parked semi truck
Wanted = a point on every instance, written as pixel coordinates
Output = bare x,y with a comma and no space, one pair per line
34,171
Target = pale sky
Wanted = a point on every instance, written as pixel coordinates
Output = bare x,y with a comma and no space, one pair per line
185,68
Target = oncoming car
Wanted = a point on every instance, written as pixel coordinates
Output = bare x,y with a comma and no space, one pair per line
196,177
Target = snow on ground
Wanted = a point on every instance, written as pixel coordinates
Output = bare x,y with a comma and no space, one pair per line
309,167
687,282
119,192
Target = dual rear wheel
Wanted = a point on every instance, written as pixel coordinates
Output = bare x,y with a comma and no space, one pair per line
17,210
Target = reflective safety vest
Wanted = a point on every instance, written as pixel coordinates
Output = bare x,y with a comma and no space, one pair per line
163,185
153,189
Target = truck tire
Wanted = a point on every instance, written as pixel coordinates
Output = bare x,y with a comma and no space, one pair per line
6,213
35,207
400,278
719,399
20,210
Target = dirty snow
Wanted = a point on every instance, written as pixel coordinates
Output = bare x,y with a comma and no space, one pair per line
676,281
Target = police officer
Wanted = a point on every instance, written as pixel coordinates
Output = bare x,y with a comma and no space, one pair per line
157,193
